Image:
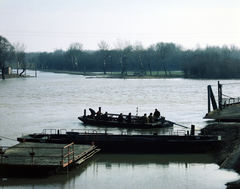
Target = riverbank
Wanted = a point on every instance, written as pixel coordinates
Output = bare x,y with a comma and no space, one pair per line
9,76
117,75
227,154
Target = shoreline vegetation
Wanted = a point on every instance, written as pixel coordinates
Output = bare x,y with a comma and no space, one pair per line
9,76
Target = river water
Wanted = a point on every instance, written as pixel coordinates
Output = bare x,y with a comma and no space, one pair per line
54,101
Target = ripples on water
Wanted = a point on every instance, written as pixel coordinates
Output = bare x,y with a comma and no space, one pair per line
29,105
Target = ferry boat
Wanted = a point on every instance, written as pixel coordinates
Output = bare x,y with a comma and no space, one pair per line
122,121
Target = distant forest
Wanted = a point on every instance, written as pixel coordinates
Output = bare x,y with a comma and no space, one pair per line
210,62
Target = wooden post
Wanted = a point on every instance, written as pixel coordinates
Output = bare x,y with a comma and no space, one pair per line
192,129
219,95
99,109
209,103
62,157
211,98
84,112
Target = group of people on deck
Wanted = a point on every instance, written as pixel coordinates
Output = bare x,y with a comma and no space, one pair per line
129,118
152,117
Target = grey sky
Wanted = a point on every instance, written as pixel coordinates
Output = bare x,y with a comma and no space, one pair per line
47,25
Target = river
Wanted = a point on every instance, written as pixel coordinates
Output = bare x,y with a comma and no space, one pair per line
54,101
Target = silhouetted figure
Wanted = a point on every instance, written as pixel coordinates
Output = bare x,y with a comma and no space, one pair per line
99,115
145,119
129,118
105,116
151,118
156,114
120,118
92,112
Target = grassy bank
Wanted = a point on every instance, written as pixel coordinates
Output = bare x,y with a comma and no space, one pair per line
9,76
130,75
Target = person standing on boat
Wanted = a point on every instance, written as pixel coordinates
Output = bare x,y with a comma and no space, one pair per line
92,112
156,114
151,118
129,118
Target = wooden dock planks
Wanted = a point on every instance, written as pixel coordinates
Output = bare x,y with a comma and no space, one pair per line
45,154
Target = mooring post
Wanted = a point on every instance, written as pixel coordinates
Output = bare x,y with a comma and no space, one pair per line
2,153
73,150
99,109
187,135
219,95
32,154
192,129
84,112
209,103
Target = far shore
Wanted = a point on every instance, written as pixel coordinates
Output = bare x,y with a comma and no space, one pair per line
9,76
116,75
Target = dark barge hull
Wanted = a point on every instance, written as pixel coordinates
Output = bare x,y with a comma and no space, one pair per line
90,121
111,143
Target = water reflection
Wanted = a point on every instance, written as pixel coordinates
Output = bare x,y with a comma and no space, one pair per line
135,171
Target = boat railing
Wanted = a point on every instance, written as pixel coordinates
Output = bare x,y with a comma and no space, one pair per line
103,132
54,131
49,131
107,132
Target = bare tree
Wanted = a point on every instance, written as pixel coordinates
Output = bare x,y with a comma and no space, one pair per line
20,56
74,52
119,51
104,49
123,49
149,56
6,53
139,50
163,51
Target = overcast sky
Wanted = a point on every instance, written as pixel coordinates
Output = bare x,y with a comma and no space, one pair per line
47,25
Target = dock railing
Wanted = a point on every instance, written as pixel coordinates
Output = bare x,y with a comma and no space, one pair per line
230,101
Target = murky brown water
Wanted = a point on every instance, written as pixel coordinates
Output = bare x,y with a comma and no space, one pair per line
29,105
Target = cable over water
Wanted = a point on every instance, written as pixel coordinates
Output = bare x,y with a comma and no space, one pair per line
7,138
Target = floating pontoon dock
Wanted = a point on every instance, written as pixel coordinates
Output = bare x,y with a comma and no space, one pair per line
32,157
180,142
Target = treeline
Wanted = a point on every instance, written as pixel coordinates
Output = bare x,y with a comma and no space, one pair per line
210,62
125,58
